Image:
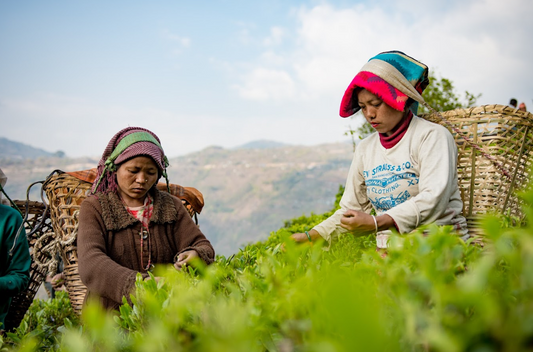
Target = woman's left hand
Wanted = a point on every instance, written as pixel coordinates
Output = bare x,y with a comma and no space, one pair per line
58,282
184,258
358,222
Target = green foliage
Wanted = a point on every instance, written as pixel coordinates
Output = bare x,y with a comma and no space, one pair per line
431,292
361,132
41,327
440,94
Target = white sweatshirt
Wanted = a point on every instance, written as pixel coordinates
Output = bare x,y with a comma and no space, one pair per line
414,182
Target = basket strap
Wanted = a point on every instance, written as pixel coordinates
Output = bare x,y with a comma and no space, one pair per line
513,181
474,145
19,230
9,199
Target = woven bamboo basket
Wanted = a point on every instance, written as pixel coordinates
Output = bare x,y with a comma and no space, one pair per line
36,224
489,183
65,194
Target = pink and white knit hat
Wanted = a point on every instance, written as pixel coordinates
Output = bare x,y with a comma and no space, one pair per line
393,76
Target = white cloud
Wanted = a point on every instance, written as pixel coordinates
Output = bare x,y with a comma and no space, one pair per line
482,46
182,41
275,37
272,58
244,34
82,127
267,84
286,85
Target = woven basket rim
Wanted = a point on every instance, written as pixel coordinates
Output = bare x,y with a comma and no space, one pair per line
482,110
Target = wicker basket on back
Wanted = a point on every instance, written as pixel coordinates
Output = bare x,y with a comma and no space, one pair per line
505,135
37,225
65,194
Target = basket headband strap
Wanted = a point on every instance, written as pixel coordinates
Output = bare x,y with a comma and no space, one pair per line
127,141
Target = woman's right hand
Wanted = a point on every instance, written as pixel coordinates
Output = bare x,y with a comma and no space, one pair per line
302,237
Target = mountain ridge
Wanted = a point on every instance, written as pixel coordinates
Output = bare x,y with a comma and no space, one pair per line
261,144
18,150
248,192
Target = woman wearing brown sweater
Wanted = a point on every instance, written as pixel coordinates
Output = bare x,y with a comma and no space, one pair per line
128,226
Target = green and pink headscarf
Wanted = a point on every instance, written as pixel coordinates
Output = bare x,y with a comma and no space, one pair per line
126,144
393,76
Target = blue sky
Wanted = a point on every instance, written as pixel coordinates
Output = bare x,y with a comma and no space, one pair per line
72,73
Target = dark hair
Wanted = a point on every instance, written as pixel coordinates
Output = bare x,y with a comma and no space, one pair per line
513,102
355,100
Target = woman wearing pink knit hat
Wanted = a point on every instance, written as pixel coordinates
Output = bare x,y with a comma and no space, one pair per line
128,226
407,171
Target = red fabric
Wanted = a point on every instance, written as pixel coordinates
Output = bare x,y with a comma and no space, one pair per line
375,85
85,175
144,213
390,141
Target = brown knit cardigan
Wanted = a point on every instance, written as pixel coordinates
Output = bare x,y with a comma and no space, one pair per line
108,243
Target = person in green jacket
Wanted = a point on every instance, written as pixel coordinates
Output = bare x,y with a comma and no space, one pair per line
15,257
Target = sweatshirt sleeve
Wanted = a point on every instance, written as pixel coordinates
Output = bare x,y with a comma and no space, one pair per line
353,198
438,168
98,271
189,236
17,274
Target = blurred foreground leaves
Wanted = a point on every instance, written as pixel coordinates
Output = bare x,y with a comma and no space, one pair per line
430,293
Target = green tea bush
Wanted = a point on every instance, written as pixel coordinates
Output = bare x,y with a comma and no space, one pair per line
42,325
431,292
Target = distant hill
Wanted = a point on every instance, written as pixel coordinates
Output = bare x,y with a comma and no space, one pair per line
17,150
248,192
21,173
251,192
261,144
